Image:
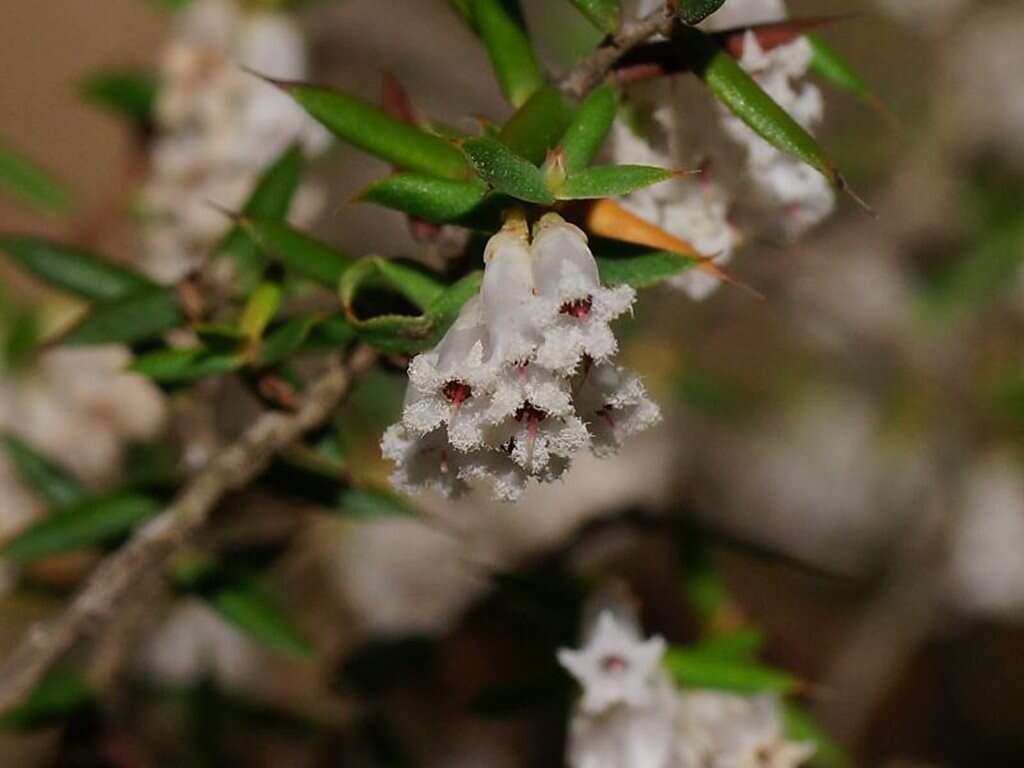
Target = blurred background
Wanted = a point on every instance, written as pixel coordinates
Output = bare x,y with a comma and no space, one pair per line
844,455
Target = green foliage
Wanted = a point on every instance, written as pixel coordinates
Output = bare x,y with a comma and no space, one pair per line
603,14
300,253
833,67
88,523
130,94
425,197
506,171
692,668
374,131
537,126
365,503
259,310
20,332
503,32
589,128
177,366
72,269
271,198
54,484
748,101
637,265
59,695
695,11
801,726
31,184
610,181
286,340
252,609
135,317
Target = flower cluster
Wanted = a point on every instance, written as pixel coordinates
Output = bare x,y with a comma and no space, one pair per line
523,379
219,127
631,716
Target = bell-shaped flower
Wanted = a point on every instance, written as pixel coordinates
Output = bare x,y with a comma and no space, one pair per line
509,307
535,440
423,463
614,404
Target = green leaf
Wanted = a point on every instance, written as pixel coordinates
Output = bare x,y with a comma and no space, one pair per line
251,609
128,94
413,282
374,131
589,128
259,310
741,644
174,366
503,32
425,197
136,317
506,171
270,199
53,483
603,14
72,269
692,669
637,265
695,11
828,753
610,181
747,100
834,68
287,339
537,126
58,696
373,503
301,253
88,523
32,184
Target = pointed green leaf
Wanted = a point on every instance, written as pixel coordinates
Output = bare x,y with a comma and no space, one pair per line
250,608
738,91
285,340
59,695
373,503
72,269
374,131
128,94
301,253
503,32
31,184
413,282
603,14
136,317
695,11
425,197
691,669
88,523
832,66
637,265
175,366
537,126
53,483
589,128
259,310
610,181
739,645
506,171
270,199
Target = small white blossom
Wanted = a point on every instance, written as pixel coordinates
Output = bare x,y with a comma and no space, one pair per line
614,404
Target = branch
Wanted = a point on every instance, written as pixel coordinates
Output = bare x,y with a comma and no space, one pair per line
589,73
99,601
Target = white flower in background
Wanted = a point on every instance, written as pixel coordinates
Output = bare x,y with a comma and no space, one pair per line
614,404
219,127
496,399
626,716
79,406
722,730
988,539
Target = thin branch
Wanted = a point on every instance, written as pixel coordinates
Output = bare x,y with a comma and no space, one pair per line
99,601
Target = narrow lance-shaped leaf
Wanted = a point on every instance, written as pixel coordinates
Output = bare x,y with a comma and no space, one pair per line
506,171
589,128
748,101
53,483
503,32
89,523
637,265
136,317
251,609
610,181
175,366
603,14
259,310
271,198
72,269
425,197
692,669
537,126
695,11
297,251
128,94
374,131
285,340
373,503
831,65
31,184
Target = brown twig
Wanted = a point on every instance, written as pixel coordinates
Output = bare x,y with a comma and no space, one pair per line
104,594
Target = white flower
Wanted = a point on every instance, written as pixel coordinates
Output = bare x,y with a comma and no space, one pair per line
614,404
535,440
615,667
423,463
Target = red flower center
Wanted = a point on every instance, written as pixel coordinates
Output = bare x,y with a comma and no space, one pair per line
457,392
531,414
578,308
614,664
